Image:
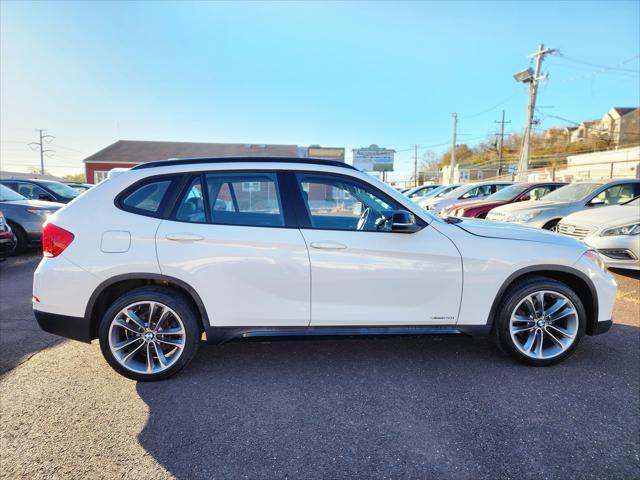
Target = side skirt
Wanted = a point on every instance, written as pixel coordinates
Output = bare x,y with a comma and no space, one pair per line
220,335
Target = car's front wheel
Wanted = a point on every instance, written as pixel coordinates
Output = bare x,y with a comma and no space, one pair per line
149,333
540,321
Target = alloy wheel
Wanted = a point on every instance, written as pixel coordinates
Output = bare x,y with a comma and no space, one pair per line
544,324
147,337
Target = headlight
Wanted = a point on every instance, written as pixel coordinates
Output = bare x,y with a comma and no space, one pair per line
595,258
41,213
633,229
523,217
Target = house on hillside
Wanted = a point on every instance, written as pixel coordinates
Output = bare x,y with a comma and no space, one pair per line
586,131
621,126
129,153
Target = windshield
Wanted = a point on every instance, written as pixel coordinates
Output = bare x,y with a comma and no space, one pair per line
65,191
421,191
442,191
8,195
508,193
457,192
571,193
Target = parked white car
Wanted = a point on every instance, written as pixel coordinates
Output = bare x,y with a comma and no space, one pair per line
309,248
465,193
613,231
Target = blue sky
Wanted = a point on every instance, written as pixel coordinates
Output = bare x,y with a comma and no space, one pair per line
335,74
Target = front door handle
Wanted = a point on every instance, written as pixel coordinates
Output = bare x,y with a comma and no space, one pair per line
329,245
184,237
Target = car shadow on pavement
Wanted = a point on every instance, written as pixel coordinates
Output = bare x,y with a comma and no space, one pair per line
415,407
20,335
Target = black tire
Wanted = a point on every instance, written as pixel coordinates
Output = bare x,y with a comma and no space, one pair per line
552,225
172,299
513,296
21,237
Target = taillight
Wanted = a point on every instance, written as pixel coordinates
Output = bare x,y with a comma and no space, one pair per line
55,240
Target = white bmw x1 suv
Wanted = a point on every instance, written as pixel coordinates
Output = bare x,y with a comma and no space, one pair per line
154,256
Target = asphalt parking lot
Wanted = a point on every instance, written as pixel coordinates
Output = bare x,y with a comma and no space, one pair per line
404,407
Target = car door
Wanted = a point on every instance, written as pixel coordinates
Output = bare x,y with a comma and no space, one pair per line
230,240
362,273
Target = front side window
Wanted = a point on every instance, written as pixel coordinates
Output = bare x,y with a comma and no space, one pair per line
337,204
249,199
147,197
508,193
538,192
480,191
615,195
31,191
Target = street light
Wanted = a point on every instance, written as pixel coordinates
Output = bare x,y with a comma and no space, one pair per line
525,76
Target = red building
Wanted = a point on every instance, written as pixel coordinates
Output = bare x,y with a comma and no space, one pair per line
128,153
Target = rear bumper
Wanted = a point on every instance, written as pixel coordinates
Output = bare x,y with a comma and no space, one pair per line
75,328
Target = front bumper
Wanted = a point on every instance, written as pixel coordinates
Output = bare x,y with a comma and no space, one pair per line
619,251
75,328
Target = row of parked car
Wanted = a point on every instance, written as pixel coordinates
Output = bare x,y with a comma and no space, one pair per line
569,209
25,205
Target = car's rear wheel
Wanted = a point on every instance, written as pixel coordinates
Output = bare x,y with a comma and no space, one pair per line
149,333
540,321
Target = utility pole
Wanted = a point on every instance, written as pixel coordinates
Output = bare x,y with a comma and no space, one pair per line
415,166
453,148
533,92
501,142
40,145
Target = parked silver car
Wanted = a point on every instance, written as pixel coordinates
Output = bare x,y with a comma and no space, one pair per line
422,191
25,217
464,193
550,209
613,231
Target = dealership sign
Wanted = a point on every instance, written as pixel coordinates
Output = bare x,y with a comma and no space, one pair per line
373,159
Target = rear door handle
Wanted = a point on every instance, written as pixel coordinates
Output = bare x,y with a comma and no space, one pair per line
184,237
329,245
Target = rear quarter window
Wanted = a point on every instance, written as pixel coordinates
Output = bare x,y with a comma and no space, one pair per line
146,198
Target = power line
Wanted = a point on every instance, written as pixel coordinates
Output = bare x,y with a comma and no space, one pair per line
604,67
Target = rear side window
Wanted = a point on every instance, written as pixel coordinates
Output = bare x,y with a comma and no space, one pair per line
147,198
250,199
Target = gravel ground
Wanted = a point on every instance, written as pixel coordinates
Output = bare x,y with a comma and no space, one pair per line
410,407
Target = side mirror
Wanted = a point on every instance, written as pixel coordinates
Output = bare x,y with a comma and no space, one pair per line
595,202
45,197
524,198
404,222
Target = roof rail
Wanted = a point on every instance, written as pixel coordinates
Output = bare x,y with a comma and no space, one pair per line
195,161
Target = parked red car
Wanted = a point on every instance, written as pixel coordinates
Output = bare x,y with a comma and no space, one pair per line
519,192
